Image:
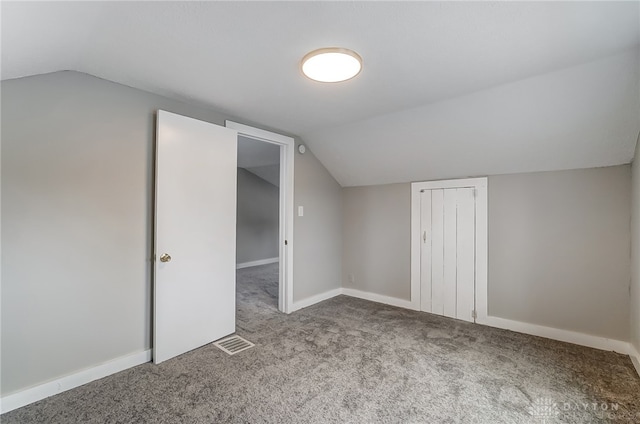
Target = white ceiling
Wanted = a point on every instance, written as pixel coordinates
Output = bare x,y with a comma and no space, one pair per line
448,89
254,153
260,158
269,173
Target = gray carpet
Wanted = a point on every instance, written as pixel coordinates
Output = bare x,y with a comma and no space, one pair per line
351,361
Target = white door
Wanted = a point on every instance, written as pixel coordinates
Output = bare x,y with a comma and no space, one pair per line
447,254
195,234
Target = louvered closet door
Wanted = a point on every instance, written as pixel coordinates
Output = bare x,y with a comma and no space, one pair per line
447,279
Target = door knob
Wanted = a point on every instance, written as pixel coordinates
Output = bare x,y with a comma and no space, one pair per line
165,257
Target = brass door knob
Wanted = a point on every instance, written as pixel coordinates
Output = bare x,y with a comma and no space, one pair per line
165,258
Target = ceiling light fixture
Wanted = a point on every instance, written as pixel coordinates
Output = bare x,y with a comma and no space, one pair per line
333,64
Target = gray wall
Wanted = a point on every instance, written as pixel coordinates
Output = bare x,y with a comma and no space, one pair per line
318,233
77,183
635,250
257,226
377,251
559,249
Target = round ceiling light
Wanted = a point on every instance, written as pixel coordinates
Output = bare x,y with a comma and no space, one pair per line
332,64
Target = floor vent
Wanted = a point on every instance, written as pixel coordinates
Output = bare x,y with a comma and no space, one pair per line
234,344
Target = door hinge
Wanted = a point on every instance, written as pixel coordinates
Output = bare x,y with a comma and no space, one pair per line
424,236
474,314
286,243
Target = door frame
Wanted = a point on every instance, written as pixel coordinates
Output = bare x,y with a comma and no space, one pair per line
481,247
287,155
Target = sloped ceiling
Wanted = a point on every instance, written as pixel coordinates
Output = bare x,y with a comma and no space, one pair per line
449,89
269,173
254,153
260,158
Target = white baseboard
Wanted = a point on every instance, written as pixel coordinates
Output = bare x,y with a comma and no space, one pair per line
36,393
581,339
42,391
574,337
635,358
374,297
379,298
304,303
258,262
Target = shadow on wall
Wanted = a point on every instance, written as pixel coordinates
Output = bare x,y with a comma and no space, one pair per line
257,218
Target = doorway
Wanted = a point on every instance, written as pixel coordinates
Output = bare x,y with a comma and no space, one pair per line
267,143
257,229
449,248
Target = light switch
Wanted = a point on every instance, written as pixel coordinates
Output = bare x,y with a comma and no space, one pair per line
300,210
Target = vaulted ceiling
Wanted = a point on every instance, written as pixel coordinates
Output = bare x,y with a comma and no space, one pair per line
260,158
448,89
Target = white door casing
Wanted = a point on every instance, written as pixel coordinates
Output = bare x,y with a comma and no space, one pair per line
286,240
449,248
195,223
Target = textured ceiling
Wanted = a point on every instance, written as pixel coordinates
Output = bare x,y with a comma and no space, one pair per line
448,89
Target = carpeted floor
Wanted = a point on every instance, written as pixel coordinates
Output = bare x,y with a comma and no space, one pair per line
347,360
